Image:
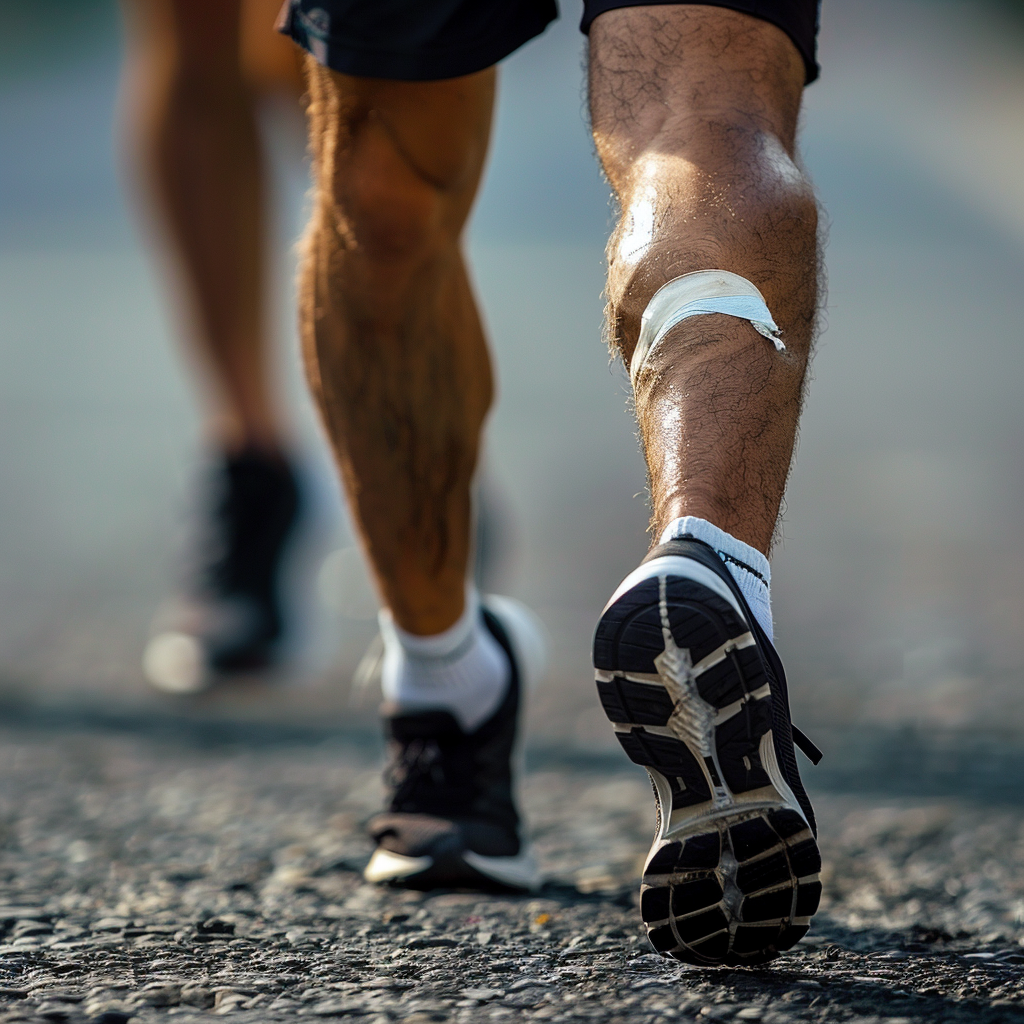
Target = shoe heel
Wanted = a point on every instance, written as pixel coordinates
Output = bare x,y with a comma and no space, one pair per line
738,892
527,635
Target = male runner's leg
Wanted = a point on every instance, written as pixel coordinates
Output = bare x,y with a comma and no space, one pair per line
694,111
399,365
193,79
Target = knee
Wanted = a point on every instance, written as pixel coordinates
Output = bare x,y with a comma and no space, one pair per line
396,166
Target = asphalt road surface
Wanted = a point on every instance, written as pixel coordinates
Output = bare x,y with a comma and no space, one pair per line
143,879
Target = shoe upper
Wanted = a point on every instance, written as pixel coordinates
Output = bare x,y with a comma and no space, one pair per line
449,785
254,508
782,725
256,504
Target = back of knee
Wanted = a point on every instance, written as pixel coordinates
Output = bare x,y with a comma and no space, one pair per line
752,212
393,215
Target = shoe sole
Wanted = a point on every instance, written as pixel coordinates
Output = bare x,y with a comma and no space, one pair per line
455,870
733,874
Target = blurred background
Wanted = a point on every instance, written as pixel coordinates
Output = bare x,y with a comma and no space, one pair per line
897,583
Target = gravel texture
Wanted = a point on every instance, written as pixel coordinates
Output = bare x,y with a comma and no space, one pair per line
144,879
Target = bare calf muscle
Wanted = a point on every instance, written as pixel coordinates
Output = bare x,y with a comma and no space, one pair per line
694,115
393,342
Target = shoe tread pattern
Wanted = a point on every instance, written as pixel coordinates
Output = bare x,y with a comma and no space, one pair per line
628,643
744,889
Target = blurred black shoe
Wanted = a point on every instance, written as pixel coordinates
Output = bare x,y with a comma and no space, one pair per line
698,696
452,820
230,619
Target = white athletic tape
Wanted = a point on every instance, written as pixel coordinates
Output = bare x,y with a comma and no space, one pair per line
705,291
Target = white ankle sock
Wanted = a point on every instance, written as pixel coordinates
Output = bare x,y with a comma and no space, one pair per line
463,670
749,568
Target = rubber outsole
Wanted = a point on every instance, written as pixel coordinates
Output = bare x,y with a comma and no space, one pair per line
733,875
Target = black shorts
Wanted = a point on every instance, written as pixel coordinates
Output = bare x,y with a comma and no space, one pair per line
422,40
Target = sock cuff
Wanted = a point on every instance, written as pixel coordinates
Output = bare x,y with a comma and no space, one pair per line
728,547
447,645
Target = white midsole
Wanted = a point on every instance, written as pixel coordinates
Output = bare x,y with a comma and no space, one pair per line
771,766
386,866
517,872
682,567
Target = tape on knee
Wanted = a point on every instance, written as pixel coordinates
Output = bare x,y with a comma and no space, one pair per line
706,291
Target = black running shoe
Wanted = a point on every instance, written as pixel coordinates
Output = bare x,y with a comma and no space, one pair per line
452,820
231,620
698,696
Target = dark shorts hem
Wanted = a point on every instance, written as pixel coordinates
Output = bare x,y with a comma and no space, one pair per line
423,64
426,40
797,18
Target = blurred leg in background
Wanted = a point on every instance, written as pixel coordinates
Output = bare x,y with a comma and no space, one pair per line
195,75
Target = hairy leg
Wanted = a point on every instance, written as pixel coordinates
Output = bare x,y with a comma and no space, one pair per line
694,112
192,121
395,351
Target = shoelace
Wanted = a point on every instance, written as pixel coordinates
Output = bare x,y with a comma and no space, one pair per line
801,739
417,764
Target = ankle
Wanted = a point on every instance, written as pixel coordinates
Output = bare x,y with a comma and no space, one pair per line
426,608
747,566
462,670
439,644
